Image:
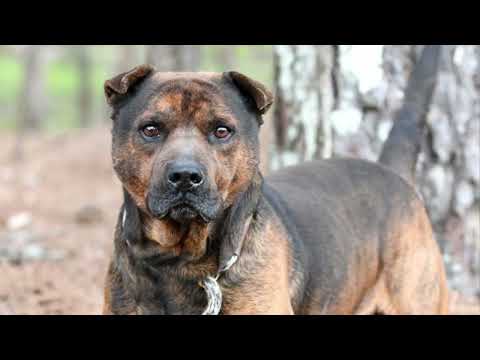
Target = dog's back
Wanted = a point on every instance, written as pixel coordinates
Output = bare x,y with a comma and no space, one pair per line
345,236
361,224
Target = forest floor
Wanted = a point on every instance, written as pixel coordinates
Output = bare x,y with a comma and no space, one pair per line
58,206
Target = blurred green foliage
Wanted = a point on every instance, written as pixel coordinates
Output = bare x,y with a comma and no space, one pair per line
11,76
62,79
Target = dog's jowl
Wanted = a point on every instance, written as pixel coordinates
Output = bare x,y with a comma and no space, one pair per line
338,236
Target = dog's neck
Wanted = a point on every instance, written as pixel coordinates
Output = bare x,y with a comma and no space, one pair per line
188,240
160,268
166,238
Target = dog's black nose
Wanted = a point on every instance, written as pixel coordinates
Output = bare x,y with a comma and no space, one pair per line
185,175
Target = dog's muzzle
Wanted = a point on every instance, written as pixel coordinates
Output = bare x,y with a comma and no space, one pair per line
183,194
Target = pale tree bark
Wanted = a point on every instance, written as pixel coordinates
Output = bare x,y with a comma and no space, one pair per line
83,63
226,56
127,58
32,100
305,95
191,57
448,174
163,57
370,84
174,57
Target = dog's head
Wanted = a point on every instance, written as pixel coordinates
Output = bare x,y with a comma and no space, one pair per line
185,144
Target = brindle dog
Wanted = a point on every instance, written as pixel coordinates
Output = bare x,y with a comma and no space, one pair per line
339,236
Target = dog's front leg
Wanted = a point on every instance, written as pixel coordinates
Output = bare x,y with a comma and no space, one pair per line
115,299
276,307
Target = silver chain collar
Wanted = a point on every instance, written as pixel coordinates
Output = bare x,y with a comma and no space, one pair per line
214,293
209,284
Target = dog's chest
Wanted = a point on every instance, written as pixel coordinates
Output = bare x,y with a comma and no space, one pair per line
165,292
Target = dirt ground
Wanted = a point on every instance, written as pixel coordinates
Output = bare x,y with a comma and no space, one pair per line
58,206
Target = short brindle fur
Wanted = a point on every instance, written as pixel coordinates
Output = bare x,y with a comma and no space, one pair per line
337,236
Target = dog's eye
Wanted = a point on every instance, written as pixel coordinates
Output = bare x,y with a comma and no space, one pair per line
151,131
222,132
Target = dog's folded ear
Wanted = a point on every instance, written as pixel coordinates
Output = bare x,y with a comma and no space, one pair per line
256,91
131,225
118,87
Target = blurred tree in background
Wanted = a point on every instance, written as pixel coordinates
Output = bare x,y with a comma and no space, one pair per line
32,98
305,97
341,101
174,57
81,57
57,88
31,104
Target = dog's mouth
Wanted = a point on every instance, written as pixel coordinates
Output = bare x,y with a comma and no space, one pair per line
184,213
184,208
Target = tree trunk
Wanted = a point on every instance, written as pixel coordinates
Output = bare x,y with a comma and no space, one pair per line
305,95
161,56
226,57
174,57
191,57
127,58
84,93
448,175
448,172
32,98
368,87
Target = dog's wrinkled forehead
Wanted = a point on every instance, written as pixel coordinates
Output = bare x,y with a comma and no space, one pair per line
142,92
188,98
184,98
